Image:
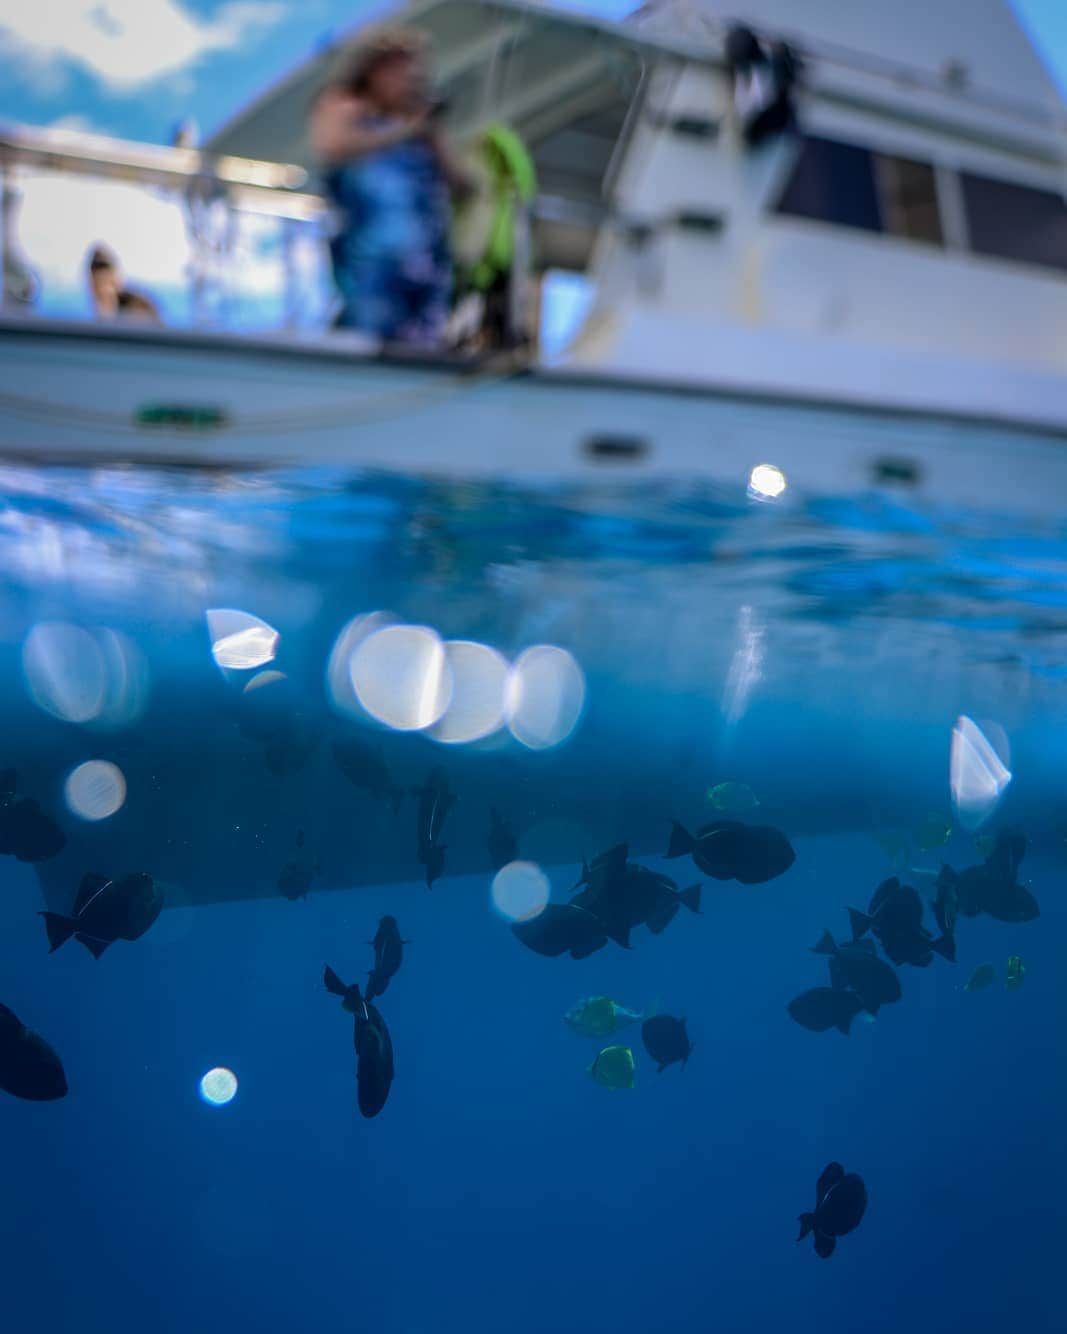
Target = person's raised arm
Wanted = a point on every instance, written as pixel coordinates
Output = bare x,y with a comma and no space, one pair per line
339,128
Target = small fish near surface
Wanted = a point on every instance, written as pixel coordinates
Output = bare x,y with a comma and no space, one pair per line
983,976
732,798
29,1068
363,764
857,966
730,850
993,887
614,1068
562,928
600,1017
26,832
503,845
1014,973
388,956
666,1041
435,800
823,1008
895,917
375,1067
840,1203
295,877
107,910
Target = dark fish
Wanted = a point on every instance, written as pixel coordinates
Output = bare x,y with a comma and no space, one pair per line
666,1040
363,764
374,1047
623,895
388,956
895,917
295,877
29,1068
107,910
435,801
503,845
947,906
823,1008
270,714
562,928
857,966
730,850
993,887
840,1203
26,832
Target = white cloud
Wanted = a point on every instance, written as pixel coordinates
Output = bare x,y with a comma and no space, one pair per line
125,43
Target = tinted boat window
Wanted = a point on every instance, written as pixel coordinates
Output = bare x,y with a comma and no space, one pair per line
1015,222
834,183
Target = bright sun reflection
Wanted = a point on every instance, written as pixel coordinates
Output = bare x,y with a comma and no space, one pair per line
520,891
479,681
766,482
218,1086
545,695
339,685
401,676
239,640
95,789
978,776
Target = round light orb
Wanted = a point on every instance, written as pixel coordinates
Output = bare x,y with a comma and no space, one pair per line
339,687
766,482
239,640
126,679
402,678
218,1087
65,671
520,891
545,695
96,789
479,681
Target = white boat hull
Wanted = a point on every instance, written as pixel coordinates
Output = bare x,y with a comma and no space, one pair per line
86,394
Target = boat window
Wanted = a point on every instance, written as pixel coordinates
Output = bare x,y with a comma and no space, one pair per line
855,187
1015,222
833,182
907,191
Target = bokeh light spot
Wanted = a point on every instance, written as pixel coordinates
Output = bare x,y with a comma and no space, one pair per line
239,640
65,671
520,891
402,678
766,482
545,694
978,776
96,789
218,1087
479,681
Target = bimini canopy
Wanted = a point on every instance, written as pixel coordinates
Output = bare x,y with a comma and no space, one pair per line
563,82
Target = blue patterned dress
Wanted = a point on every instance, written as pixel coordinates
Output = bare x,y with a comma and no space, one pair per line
391,259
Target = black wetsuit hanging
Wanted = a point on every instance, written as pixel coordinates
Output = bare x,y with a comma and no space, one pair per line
763,83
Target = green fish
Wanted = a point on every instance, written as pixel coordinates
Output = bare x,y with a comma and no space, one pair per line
614,1068
934,832
1016,971
599,1017
983,976
732,797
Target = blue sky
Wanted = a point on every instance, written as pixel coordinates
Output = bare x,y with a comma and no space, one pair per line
134,67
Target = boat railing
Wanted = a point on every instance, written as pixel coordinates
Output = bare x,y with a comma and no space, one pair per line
217,194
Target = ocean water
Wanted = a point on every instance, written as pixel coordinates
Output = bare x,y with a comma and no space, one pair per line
647,646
